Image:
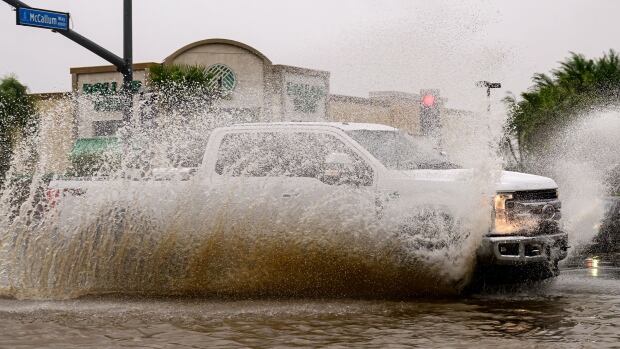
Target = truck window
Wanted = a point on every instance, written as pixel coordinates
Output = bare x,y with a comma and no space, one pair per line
287,154
399,151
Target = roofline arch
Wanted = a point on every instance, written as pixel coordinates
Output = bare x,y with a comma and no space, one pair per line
169,59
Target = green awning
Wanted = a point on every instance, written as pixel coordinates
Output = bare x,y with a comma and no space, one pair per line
95,146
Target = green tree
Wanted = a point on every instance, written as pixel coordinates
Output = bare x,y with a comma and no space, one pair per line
189,76
16,118
181,87
578,85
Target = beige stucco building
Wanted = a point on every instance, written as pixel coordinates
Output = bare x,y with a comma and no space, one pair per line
261,90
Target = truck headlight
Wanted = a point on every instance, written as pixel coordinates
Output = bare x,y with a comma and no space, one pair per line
500,201
501,218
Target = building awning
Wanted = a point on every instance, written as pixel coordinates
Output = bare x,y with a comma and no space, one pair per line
95,146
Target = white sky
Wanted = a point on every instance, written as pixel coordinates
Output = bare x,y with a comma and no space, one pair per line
366,45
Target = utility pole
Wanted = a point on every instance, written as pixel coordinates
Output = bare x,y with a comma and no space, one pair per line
58,22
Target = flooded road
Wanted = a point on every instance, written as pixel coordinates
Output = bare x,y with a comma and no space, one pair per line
580,309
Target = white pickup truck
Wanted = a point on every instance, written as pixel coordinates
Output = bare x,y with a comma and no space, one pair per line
312,158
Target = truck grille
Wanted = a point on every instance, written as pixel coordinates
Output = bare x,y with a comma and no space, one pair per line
535,204
535,195
537,212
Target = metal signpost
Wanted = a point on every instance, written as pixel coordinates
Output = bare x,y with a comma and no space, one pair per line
489,86
59,22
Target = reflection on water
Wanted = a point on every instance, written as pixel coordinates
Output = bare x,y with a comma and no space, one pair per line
591,264
574,311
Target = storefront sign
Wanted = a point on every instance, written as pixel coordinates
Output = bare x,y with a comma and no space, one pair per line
305,96
105,95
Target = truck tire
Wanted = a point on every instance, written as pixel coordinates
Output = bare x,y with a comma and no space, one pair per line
431,229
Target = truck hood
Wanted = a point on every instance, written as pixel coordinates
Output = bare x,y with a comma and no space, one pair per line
513,181
508,181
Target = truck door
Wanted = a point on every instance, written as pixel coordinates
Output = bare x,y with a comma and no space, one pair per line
293,175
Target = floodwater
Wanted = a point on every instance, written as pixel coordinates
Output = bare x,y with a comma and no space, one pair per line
214,242
579,309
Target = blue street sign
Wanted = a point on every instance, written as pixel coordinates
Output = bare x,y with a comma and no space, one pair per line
33,17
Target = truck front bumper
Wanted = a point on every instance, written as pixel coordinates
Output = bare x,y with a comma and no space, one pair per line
522,250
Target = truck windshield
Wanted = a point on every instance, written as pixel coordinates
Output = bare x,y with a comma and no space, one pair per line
399,151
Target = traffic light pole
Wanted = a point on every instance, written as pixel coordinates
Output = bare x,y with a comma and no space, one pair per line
124,65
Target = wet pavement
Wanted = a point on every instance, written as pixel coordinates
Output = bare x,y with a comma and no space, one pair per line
579,309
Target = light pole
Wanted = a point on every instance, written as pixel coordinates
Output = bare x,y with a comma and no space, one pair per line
489,86
506,139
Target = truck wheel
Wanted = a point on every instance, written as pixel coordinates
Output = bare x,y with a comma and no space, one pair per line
431,229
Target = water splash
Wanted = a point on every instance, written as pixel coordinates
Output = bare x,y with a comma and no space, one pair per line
138,235
581,159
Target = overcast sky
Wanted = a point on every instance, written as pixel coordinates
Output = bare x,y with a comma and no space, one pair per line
366,45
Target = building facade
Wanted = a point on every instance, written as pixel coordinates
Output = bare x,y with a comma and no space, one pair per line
256,87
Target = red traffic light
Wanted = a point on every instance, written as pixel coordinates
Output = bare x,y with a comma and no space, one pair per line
428,101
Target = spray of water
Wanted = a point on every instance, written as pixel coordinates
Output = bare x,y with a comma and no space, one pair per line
133,232
581,159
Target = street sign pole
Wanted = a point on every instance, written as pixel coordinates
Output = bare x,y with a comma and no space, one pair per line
128,60
489,86
58,22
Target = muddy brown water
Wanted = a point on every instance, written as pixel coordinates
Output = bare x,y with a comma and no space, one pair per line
579,309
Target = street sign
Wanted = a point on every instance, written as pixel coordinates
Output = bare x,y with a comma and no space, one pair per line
33,17
488,84
59,22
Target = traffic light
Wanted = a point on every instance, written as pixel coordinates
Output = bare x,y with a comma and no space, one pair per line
428,101
430,121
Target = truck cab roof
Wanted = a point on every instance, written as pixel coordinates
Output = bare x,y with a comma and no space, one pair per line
344,126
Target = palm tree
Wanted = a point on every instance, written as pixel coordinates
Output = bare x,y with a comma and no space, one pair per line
16,118
578,85
181,88
188,76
